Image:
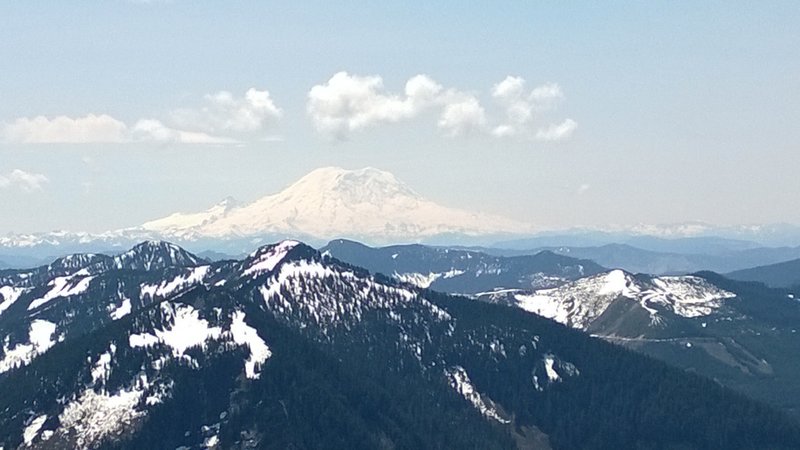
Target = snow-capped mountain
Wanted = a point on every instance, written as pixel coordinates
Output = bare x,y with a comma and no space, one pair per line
327,203
177,222
373,206
250,353
330,202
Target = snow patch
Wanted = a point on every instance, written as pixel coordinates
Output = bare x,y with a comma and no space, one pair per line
689,296
102,368
187,330
9,294
40,339
118,312
62,287
459,380
552,375
417,279
178,284
579,303
93,417
424,281
267,261
211,442
551,362
32,430
246,335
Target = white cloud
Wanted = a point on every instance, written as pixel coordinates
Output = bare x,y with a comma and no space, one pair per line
223,117
26,181
557,132
151,130
63,129
223,112
582,189
462,117
347,103
522,108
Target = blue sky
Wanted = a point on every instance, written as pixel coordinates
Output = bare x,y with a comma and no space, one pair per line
629,112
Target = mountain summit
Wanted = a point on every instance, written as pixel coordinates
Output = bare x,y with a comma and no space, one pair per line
332,202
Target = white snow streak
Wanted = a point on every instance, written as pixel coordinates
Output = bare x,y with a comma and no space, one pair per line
552,375
9,294
268,260
246,335
187,330
40,339
580,302
102,368
62,287
180,283
92,417
32,430
122,310
459,380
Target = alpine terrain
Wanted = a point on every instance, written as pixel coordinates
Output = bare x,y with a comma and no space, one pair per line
289,348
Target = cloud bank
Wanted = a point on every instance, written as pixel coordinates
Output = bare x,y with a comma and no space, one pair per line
25,181
341,106
347,103
221,120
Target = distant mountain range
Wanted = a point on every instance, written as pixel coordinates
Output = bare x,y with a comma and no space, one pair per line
637,260
368,204
462,271
290,348
688,237
373,206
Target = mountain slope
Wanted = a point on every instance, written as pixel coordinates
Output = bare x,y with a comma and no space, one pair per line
288,348
462,271
784,274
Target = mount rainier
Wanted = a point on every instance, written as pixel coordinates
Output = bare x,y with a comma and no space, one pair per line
366,204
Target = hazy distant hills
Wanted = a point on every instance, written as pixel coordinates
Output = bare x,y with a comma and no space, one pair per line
785,274
688,237
638,260
462,271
